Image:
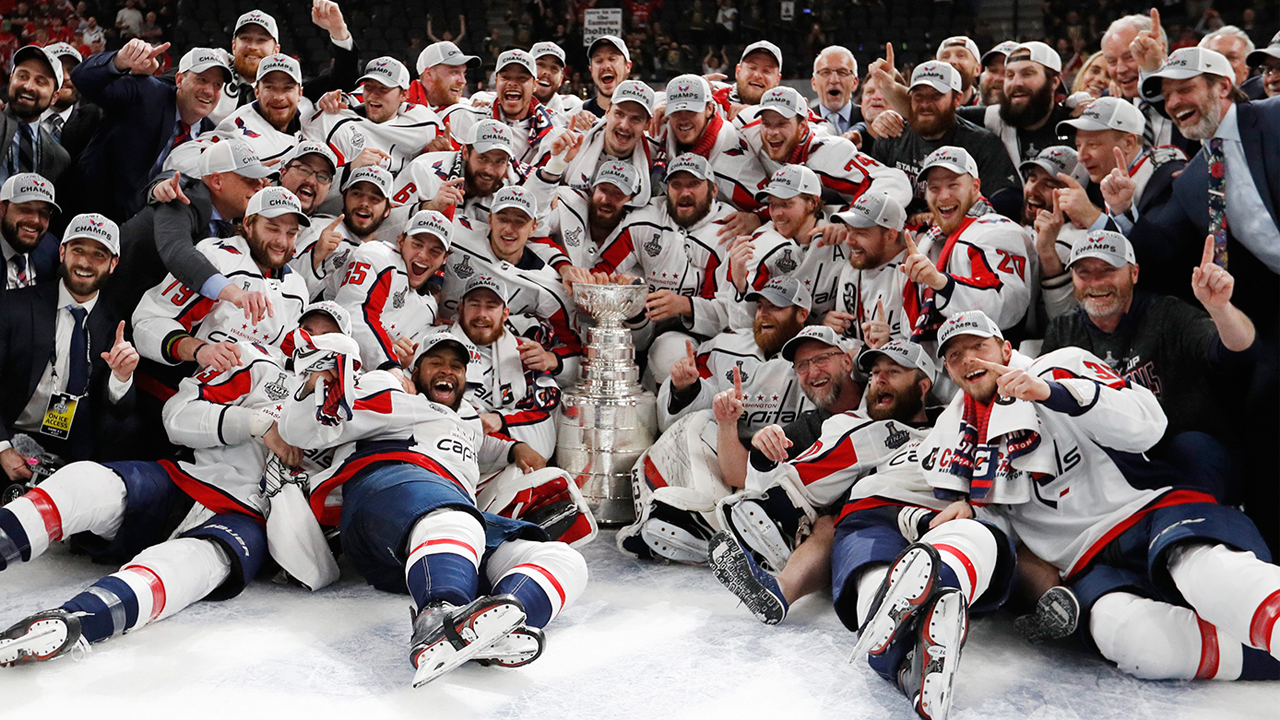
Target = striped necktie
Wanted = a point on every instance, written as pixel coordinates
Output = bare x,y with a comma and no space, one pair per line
1218,200
1149,129
26,150
20,265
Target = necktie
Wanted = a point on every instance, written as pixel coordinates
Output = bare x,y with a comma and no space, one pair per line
184,134
1218,200
54,125
78,361
20,264
221,228
1148,130
246,95
26,149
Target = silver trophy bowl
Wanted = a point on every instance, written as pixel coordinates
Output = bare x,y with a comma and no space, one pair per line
608,420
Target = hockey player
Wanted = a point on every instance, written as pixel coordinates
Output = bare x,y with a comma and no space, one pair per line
970,258
174,324
758,71
582,222
406,466
693,125
621,137
532,124
1054,232
384,128
672,245
385,289
325,248
442,78
1173,585
308,171
875,301
783,135
193,530
550,61
501,249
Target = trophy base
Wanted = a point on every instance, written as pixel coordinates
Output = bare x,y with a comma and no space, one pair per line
600,439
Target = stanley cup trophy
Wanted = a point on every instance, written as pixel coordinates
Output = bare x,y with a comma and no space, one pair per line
608,420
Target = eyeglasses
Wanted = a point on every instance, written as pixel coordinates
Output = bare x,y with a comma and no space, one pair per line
828,72
817,361
1271,70
305,171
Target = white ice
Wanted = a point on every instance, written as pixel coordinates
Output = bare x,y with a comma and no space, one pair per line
644,641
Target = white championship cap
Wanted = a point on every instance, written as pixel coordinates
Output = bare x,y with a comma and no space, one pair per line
1186,63
619,174
233,155
790,181
612,40
197,60
548,48
636,92
94,227
820,333
969,322
688,92
443,337
261,19
433,223
1003,50
279,63
489,134
517,57
763,46
1039,52
444,53
962,41
903,352
488,282
1110,247
784,100
375,175
692,163
311,147
333,310
783,292
388,71
274,201
1058,159
1108,113
955,159
874,208
63,50
938,75
35,51
1255,58
514,196
28,187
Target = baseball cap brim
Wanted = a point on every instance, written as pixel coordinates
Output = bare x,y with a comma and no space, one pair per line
1044,165
1259,56
435,340
198,68
690,105
380,79
942,347
790,347
18,199
471,61
933,83
303,220
613,42
785,192
958,169
1107,257
1082,123
855,219
256,171
1151,84
772,296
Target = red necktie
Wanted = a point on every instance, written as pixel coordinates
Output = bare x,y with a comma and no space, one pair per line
183,136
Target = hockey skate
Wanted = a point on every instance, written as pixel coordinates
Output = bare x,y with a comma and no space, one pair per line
517,649
43,636
1055,616
758,531
445,636
738,571
667,533
908,586
929,671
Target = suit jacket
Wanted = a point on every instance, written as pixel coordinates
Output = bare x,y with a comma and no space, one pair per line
158,240
44,258
28,322
79,129
53,160
1169,240
139,113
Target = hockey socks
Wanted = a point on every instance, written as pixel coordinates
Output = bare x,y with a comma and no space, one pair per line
545,576
445,548
1234,590
81,497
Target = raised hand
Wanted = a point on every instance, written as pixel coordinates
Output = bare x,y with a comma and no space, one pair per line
451,194
327,16
1117,187
405,349
772,442
920,269
1211,282
139,57
582,121
122,358
330,239
740,254
685,371
1074,201
739,223
727,404
566,145
1017,383
1149,46
876,330
170,190
839,320
332,102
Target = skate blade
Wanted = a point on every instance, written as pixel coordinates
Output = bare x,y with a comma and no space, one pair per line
910,584
673,542
731,569
43,640
506,655
943,643
488,628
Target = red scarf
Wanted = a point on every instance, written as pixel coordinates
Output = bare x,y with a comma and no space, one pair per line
710,134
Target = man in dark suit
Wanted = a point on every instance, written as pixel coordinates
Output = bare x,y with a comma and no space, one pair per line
1231,190
144,119
71,120
25,146
1267,59
68,368
28,252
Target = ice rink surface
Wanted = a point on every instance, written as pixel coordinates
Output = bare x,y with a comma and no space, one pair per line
644,641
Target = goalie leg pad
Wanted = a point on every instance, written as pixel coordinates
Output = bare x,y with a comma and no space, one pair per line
548,498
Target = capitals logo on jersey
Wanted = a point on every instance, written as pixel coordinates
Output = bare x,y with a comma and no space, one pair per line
245,129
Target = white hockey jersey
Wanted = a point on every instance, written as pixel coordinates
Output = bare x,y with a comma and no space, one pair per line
244,124
817,267
212,413
534,286
171,311
861,290
531,136
845,172
567,223
582,171
1056,469
348,132
771,390
375,291
738,171
323,282
986,260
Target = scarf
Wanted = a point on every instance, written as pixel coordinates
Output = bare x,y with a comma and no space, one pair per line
335,352
929,319
540,122
503,369
581,172
710,134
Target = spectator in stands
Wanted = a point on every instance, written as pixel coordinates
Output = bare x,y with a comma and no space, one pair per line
151,30
129,20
